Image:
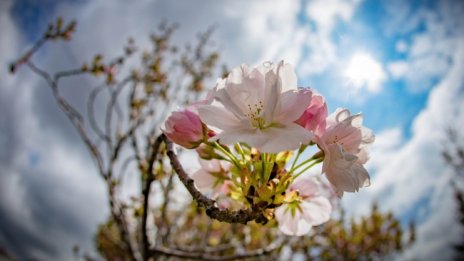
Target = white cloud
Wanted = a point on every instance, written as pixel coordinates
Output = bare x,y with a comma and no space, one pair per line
431,49
326,52
413,178
401,46
322,51
327,12
363,71
398,69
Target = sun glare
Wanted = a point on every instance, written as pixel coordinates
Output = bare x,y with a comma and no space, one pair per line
364,71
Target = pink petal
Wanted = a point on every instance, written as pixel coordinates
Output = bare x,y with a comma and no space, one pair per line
218,117
307,186
314,117
252,137
292,105
233,99
361,175
288,137
338,170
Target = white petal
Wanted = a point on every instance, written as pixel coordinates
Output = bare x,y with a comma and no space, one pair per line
254,87
232,98
288,77
316,210
292,225
341,114
338,115
292,105
212,165
284,218
367,135
356,120
237,73
203,180
362,155
252,137
272,92
218,117
302,226
288,137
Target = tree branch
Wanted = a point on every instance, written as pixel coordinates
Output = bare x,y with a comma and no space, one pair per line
240,216
71,113
146,195
156,251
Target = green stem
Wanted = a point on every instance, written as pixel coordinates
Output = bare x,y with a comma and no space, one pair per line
301,164
231,156
240,150
300,150
318,156
308,167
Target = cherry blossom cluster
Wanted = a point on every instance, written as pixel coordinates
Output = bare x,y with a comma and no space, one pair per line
257,136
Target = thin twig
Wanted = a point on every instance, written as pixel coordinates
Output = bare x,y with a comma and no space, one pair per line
27,56
71,113
91,114
112,106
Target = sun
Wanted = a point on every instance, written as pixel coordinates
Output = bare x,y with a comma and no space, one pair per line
364,71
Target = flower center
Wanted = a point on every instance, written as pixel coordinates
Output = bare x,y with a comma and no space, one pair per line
254,115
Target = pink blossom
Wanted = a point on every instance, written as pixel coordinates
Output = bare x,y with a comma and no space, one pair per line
344,144
212,177
313,118
304,209
186,129
258,106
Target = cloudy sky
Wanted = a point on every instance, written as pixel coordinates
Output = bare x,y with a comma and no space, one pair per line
401,63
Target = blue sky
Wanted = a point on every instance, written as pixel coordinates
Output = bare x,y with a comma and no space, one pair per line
397,62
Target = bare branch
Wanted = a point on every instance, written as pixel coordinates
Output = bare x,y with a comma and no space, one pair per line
91,114
72,114
113,106
118,214
26,57
77,120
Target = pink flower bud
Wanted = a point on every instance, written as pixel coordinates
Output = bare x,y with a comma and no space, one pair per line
313,118
186,129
